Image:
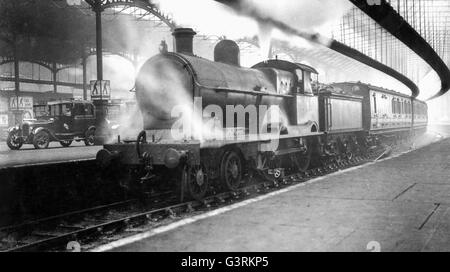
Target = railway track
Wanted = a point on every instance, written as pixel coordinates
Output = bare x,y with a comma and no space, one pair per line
98,224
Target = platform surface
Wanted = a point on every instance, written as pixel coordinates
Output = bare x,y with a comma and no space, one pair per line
27,155
399,204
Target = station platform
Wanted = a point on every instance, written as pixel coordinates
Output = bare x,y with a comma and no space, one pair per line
401,203
28,155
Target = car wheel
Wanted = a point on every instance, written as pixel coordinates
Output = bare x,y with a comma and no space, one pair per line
14,141
66,143
90,137
41,140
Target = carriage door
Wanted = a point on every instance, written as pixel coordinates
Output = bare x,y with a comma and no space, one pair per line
375,121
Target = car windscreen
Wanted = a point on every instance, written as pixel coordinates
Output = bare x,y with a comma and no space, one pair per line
40,111
55,110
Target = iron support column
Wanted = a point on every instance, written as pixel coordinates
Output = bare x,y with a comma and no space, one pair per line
55,73
16,75
83,63
98,33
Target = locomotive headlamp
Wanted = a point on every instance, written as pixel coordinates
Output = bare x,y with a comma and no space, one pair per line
173,157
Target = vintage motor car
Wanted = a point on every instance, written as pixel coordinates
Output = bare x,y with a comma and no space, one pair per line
61,121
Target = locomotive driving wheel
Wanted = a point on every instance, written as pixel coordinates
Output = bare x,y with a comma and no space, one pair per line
302,160
352,149
196,181
231,170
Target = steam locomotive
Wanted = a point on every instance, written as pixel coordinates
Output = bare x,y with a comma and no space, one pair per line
267,120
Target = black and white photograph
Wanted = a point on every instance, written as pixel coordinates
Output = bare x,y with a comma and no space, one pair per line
241,128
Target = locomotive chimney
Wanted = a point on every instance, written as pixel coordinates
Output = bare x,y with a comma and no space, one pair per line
183,40
227,51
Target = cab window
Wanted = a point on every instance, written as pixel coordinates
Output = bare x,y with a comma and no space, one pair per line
307,80
315,82
299,74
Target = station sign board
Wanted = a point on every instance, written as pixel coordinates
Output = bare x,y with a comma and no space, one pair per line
24,104
100,89
21,103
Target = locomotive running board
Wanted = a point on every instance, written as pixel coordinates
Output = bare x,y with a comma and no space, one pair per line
260,140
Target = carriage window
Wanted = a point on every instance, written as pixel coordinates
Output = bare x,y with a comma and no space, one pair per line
374,103
393,105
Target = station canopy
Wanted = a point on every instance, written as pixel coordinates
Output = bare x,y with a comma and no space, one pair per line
48,31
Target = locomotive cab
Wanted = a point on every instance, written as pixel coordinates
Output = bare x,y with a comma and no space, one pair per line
306,79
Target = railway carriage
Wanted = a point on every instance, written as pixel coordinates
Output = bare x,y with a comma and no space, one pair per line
268,120
388,113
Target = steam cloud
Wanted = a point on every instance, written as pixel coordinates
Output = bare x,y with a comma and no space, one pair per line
247,18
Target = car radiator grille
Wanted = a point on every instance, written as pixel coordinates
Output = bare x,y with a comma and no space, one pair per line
25,130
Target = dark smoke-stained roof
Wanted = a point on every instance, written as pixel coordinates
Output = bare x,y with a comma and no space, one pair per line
44,31
52,31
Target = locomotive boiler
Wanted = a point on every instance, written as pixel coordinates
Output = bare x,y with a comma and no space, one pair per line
215,125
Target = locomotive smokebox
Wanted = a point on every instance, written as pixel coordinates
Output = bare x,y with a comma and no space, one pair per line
227,51
183,40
